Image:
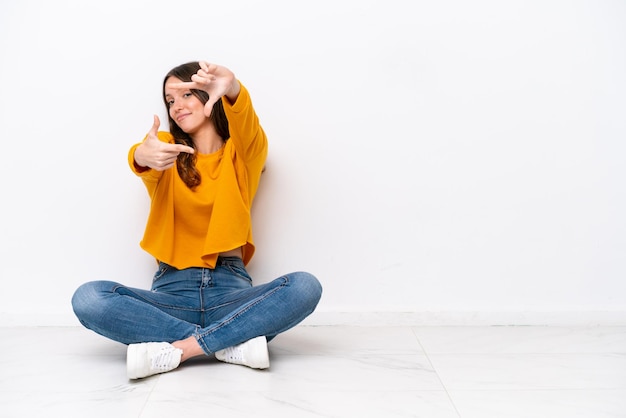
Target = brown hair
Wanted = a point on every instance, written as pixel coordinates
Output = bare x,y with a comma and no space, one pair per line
186,163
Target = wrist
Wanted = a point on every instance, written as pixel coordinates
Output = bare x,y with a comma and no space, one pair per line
138,162
234,90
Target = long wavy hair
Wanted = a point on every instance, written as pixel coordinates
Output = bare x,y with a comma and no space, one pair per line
186,163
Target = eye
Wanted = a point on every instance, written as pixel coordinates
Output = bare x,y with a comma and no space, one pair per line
187,94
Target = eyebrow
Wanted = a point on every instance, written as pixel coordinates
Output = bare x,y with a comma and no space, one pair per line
184,90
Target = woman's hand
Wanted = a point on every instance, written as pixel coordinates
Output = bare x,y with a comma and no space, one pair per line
157,154
216,80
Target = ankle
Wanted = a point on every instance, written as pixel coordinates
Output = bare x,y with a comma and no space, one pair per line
191,348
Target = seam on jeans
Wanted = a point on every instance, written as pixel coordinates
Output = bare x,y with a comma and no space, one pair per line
152,302
200,337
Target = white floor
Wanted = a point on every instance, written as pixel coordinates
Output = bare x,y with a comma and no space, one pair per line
355,372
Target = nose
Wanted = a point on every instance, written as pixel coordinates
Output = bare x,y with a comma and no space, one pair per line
176,104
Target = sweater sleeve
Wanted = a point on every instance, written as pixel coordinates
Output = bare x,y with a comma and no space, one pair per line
149,176
248,136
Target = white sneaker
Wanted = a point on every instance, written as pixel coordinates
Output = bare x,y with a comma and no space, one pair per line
146,359
253,353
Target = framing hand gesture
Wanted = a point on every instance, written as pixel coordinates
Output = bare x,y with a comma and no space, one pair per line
216,80
157,154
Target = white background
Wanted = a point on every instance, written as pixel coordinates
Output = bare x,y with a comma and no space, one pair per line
454,161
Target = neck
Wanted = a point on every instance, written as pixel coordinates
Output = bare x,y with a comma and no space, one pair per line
208,147
206,140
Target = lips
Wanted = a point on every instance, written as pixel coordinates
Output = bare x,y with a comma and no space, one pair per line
182,116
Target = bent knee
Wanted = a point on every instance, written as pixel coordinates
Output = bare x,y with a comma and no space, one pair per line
308,285
87,296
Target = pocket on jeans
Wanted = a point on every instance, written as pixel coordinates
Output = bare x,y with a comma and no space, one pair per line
238,269
163,268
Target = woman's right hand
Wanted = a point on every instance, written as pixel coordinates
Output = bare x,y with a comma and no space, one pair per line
157,154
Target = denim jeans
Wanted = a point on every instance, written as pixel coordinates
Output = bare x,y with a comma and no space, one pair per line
219,307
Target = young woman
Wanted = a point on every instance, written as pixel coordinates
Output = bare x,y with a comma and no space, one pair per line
202,177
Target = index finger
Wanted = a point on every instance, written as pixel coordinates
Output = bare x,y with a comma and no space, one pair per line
185,85
181,148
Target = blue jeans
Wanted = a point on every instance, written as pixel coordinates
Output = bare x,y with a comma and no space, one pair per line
219,307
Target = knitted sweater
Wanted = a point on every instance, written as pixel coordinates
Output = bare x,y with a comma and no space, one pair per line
189,228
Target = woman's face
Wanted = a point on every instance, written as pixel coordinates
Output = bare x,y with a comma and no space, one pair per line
184,108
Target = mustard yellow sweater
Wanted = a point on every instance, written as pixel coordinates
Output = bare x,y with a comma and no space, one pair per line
188,228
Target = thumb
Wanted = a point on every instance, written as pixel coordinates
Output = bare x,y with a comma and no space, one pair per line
155,126
208,107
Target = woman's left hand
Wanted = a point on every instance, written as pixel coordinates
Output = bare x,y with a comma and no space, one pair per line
216,80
